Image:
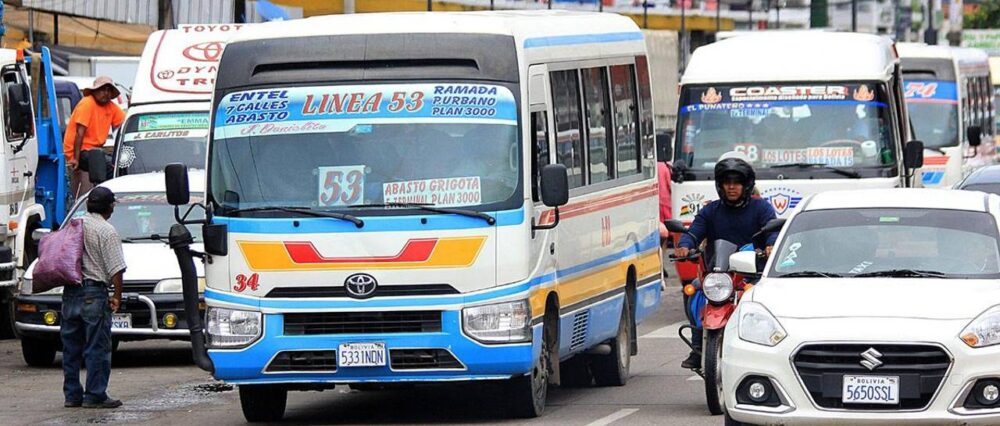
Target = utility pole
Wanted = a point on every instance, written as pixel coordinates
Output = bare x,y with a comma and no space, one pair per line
348,6
165,14
854,16
430,5
777,16
55,29
645,13
718,16
750,9
239,11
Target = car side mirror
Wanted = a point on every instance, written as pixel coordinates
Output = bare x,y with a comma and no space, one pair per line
974,134
37,234
913,155
19,117
743,262
555,185
178,191
216,238
675,226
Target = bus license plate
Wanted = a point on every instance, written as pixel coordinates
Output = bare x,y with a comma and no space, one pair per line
871,390
361,354
121,321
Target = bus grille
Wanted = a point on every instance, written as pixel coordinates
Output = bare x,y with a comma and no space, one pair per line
921,369
306,361
380,291
423,359
297,324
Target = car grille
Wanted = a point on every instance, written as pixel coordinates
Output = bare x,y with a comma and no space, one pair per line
380,291
423,359
362,322
921,369
304,361
138,286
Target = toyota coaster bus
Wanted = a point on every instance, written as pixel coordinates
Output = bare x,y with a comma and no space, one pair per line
428,197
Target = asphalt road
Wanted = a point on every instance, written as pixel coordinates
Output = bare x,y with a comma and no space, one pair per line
160,386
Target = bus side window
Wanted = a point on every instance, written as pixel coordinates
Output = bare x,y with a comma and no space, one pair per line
646,130
566,109
599,150
626,120
539,151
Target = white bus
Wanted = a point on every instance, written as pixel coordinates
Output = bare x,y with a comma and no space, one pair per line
430,198
813,111
949,97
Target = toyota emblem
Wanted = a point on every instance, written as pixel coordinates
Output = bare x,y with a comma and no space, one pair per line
360,286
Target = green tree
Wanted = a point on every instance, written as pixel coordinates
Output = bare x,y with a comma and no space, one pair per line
987,16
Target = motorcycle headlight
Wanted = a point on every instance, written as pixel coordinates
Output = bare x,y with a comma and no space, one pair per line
506,322
984,330
229,328
176,285
717,287
757,325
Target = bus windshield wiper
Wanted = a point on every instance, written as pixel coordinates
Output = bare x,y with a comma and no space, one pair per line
153,237
844,172
804,274
306,211
916,273
431,208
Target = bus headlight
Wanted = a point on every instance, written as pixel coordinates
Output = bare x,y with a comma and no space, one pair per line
757,325
506,322
717,287
228,328
984,330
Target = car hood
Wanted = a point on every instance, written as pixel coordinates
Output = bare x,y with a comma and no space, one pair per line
147,262
876,297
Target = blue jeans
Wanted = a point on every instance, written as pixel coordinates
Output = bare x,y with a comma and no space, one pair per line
86,339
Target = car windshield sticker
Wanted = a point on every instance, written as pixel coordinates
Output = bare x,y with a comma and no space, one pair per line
888,219
341,185
861,267
757,101
126,156
447,192
151,122
793,254
351,108
931,91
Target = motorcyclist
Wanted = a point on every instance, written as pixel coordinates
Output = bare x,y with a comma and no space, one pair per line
735,217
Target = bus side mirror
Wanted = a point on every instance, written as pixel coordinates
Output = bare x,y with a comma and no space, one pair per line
555,185
974,134
913,155
19,110
178,191
216,238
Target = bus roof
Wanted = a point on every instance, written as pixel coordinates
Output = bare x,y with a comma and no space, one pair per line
180,65
792,56
923,50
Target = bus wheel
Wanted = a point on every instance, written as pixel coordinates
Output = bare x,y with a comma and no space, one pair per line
263,403
527,393
575,372
37,352
612,369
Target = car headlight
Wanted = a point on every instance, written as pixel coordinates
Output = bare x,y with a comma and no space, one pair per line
717,287
176,285
228,328
757,325
984,330
506,322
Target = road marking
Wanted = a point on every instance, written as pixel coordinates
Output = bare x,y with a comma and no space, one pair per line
668,332
613,417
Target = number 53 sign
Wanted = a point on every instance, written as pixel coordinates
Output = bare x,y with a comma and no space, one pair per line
341,186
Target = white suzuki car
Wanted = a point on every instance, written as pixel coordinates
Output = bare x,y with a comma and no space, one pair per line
877,307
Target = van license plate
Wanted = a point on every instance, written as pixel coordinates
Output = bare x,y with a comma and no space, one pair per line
361,354
871,390
121,321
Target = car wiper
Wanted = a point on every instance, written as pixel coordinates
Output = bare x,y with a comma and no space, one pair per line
918,273
843,172
153,237
307,211
431,208
801,274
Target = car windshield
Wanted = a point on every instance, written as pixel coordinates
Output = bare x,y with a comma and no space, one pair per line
933,109
835,124
140,215
151,141
890,242
989,188
334,147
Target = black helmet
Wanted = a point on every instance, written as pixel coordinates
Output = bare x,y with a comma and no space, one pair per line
741,170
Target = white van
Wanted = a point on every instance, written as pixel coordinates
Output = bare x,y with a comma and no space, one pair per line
167,120
812,111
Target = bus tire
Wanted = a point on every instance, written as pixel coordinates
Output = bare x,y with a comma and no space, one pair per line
38,352
263,403
575,372
613,369
712,353
527,394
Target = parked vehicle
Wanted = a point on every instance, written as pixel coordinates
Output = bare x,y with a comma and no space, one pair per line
396,193
986,179
152,303
877,307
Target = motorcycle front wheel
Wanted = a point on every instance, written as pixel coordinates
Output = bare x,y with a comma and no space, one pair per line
712,353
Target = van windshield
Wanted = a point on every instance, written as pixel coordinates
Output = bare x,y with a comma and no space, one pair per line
336,147
933,109
777,125
151,141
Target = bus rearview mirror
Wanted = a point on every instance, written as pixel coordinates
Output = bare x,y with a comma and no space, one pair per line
913,155
974,134
555,185
19,109
178,192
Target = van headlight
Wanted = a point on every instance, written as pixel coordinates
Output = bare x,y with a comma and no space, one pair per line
230,328
984,330
717,287
176,285
506,322
757,325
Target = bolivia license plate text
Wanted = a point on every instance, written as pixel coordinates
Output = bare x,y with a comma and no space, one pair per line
361,355
871,390
121,321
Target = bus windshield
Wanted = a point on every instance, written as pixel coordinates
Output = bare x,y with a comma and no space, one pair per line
151,141
777,125
335,147
933,109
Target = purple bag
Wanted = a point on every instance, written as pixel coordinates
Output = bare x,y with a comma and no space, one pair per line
59,258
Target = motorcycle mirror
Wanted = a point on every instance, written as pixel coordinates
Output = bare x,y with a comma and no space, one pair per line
676,226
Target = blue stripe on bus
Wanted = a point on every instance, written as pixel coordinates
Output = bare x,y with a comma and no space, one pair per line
435,222
567,40
648,243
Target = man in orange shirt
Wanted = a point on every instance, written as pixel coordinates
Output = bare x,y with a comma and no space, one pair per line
88,128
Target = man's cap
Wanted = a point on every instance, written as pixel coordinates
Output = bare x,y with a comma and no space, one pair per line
101,198
100,82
